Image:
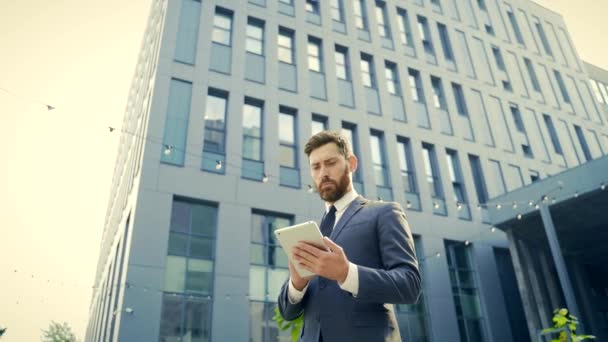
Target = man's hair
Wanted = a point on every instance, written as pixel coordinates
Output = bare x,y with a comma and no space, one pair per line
326,137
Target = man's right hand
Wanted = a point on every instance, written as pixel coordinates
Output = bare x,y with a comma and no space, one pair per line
297,281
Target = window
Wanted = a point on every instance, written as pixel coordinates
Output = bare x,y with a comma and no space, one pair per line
534,176
349,131
314,55
562,86
478,179
367,71
222,27
553,134
500,62
360,14
267,272
378,159
543,37
408,175
312,6
583,142
337,11
438,94
187,31
319,123
499,180
519,124
596,91
287,131
342,65
255,36
405,32
381,18
189,271
532,75
515,26
392,78
215,121
445,42
425,35
456,176
461,103
431,169
415,85
465,291
176,126
252,130
286,46
214,144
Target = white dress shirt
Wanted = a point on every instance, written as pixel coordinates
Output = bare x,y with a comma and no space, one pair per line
351,283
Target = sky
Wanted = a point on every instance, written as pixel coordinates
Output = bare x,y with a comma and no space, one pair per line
56,166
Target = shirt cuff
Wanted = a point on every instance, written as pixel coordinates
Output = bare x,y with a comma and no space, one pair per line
351,283
294,295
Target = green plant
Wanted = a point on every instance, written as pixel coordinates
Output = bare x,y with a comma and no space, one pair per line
2,331
58,332
564,323
295,326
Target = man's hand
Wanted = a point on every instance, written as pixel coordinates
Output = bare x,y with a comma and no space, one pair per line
331,264
296,280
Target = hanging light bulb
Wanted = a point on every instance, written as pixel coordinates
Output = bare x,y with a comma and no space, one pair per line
576,194
408,204
265,178
380,199
493,229
467,242
167,150
519,216
603,186
218,164
437,254
310,188
478,206
530,203
553,200
537,206
458,206
514,205
498,206
545,198
435,205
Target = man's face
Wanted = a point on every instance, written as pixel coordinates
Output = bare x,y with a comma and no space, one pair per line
331,172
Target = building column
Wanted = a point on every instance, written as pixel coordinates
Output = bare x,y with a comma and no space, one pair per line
554,292
542,308
526,297
558,259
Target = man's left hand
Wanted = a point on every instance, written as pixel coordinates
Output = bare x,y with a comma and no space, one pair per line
331,264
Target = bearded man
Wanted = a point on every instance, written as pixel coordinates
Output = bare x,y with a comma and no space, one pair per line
370,265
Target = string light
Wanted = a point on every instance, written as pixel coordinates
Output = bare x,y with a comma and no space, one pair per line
458,206
603,187
467,242
436,205
537,206
310,188
493,229
576,194
530,203
167,150
514,205
265,178
218,164
408,204
519,216
498,206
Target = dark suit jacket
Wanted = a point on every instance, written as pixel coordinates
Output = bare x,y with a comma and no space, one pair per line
376,237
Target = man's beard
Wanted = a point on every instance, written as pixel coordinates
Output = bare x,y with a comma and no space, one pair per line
340,188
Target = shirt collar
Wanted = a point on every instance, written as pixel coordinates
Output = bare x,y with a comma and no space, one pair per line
344,201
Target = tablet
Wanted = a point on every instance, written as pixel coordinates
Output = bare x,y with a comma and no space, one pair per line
288,237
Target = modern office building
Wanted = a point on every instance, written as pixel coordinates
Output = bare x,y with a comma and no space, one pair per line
447,103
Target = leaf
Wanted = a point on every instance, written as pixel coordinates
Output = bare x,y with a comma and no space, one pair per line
560,321
563,312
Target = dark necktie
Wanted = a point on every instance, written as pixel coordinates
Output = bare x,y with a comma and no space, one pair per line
327,225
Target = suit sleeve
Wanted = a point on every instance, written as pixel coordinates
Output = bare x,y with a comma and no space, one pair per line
398,281
288,310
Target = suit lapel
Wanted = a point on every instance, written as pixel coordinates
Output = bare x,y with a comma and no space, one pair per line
353,208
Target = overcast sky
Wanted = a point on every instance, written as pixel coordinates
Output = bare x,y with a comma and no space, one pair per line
56,168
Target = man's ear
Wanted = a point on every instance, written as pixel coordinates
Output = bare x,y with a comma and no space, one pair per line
352,163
